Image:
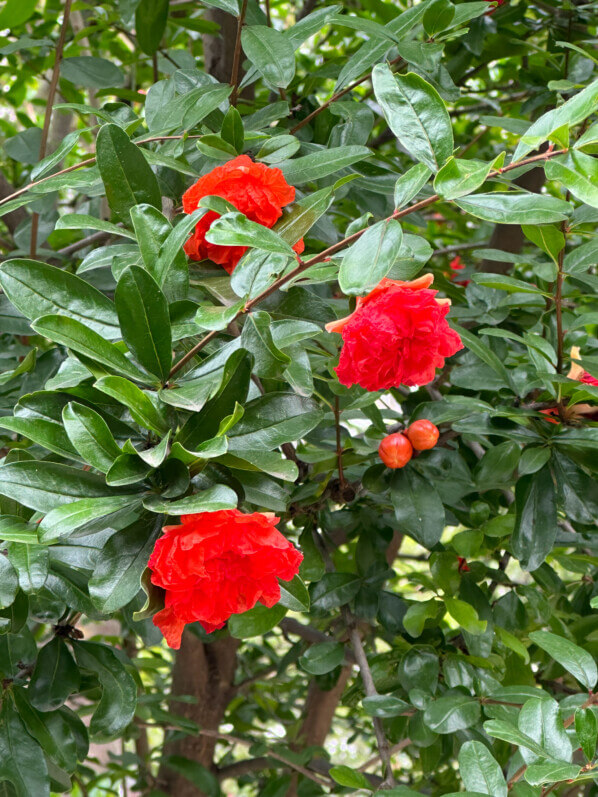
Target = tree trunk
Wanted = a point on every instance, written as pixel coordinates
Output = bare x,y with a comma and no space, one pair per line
205,672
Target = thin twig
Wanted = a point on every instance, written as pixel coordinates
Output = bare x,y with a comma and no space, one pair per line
234,78
558,304
303,265
339,446
48,114
371,691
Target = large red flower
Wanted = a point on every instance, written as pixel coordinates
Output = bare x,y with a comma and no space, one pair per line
216,564
257,190
398,335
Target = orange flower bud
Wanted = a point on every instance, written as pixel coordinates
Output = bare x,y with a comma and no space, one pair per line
395,450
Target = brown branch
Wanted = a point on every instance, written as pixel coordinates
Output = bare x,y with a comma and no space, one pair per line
558,304
339,445
48,115
234,78
303,265
371,691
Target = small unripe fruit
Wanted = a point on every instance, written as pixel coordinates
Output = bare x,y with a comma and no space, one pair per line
395,450
423,435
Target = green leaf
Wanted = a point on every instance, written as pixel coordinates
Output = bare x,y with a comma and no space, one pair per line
232,129
345,776
269,361
551,772
452,713
126,174
480,770
550,239
150,24
497,465
116,579
22,762
15,12
235,229
541,720
278,149
297,220
574,659
438,17
212,499
54,678
81,221
271,53
217,317
459,177
293,594
384,706
418,508
499,729
410,184
119,691
416,114
274,419
91,72
144,320
37,289
256,621
482,351
166,262
586,729
45,485
503,282
334,590
31,564
417,614
321,164
536,521
9,582
578,173
62,150
256,271
510,207
465,614
143,410
570,113
66,518
79,338
90,435
370,258
46,433
322,658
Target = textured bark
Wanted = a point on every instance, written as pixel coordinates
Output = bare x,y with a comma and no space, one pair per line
219,50
206,672
509,237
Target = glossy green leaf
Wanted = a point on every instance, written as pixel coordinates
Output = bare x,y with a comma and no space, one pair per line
150,24
271,53
370,258
322,658
66,518
416,114
22,762
452,713
212,499
578,172
119,691
37,289
256,621
572,657
144,320
536,521
235,229
81,339
54,678
418,508
143,410
586,729
510,207
321,164
126,174
480,771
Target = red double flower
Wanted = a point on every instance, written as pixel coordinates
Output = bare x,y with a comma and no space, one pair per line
216,564
257,190
398,335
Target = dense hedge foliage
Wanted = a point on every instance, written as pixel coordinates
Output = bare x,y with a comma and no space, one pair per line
441,634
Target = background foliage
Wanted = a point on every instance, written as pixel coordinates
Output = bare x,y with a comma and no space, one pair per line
445,617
